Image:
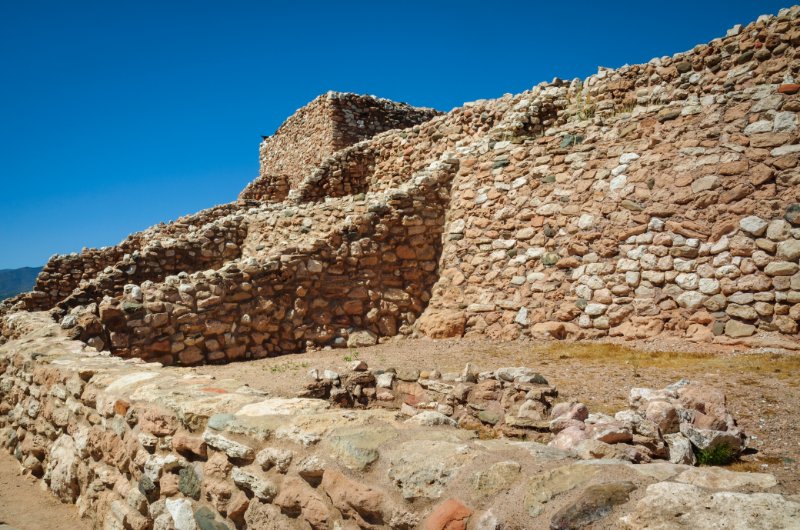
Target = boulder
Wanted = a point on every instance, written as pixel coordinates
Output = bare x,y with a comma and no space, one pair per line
442,324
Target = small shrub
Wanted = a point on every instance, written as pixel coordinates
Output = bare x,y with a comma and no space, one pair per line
715,456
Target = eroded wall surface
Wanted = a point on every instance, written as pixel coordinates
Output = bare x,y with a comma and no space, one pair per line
659,198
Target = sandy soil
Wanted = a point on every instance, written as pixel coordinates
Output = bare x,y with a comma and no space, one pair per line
762,387
24,505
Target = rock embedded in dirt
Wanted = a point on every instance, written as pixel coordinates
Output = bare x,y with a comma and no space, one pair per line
593,504
666,504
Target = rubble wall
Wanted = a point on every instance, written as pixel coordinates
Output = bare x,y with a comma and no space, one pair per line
656,198
667,202
390,158
328,124
150,254
140,446
369,278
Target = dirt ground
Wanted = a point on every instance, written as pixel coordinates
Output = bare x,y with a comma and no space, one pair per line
24,505
762,386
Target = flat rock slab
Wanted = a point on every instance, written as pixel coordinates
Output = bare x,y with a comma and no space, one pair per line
671,505
715,478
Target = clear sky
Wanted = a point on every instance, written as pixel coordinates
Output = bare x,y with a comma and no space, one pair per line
117,115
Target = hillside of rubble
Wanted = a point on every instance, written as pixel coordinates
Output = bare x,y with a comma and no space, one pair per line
655,200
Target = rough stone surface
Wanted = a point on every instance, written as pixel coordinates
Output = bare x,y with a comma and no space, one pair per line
674,505
526,216
646,202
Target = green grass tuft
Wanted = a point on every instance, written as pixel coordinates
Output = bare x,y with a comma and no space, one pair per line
715,456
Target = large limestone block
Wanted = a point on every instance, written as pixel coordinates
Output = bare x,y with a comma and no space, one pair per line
671,505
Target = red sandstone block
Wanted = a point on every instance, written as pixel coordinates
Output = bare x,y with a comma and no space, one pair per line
791,88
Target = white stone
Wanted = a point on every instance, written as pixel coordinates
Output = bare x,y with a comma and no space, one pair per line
691,300
262,488
384,380
585,221
785,150
595,309
753,225
627,158
656,224
504,244
760,126
457,226
687,281
284,406
785,122
182,514
522,317
668,505
708,286
229,447
430,418
779,230
720,246
618,182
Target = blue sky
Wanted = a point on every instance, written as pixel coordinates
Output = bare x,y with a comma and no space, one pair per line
115,116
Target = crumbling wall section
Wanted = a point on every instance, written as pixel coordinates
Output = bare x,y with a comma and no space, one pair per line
328,124
369,278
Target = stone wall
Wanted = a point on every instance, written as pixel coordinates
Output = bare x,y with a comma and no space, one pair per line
142,447
646,213
388,159
659,198
151,254
368,278
326,125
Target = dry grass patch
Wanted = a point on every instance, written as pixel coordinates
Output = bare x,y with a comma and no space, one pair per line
780,366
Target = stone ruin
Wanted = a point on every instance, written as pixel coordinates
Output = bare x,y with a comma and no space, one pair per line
139,446
671,424
655,200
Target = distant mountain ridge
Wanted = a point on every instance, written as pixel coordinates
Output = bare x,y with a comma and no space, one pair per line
15,281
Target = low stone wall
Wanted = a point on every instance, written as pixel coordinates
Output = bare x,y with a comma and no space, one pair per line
182,245
328,124
138,446
679,423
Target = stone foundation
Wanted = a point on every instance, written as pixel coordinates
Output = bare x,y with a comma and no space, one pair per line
139,446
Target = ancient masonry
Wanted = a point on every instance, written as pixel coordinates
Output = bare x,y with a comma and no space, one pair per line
138,446
660,199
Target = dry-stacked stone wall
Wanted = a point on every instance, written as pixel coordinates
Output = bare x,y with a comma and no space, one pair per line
389,159
185,244
672,209
370,277
326,125
661,198
140,446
